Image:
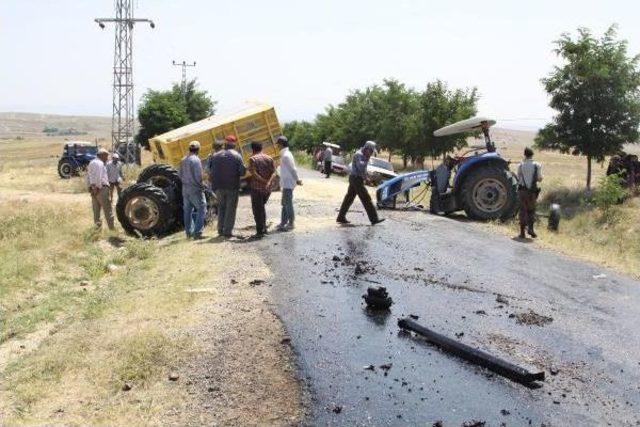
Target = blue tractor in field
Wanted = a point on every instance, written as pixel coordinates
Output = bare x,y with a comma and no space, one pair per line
483,185
76,155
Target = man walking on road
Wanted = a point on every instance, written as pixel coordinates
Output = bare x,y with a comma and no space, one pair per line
288,181
356,185
263,170
193,200
114,173
226,170
327,157
529,174
98,183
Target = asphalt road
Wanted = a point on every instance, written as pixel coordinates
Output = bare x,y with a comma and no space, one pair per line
467,284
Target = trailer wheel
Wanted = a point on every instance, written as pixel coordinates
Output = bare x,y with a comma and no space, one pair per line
66,169
145,210
490,193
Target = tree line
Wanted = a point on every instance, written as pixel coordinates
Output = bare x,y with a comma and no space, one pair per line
595,92
399,118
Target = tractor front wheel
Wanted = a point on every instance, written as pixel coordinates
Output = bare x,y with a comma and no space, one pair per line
66,169
145,210
490,193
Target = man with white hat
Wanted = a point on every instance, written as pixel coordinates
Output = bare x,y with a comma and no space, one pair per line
193,199
114,173
98,183
356,185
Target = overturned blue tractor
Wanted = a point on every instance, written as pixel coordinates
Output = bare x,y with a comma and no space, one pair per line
483,185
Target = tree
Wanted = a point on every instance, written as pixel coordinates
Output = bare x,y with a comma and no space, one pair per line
162,111
596,94
300,135
198,103
439,107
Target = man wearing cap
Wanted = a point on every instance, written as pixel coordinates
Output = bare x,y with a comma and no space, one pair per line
114,173
288,180
356,185
226,170
98,183
263,171
529,175
193,200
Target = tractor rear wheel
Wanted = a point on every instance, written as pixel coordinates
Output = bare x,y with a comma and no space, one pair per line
489,193
66,169
168,179
144,209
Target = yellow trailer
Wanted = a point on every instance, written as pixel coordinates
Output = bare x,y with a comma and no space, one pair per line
153,206
257,122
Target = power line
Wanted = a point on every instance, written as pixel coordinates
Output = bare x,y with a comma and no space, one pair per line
122,120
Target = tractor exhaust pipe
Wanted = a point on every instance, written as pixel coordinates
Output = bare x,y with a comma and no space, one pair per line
470,354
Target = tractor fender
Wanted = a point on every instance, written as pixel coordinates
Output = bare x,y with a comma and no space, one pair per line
472,164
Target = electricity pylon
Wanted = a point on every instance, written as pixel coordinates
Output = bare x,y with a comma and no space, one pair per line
123,102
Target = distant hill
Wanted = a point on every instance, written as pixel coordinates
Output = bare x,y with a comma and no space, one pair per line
32,125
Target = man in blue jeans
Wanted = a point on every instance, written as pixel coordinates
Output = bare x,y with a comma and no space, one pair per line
288,181
193,200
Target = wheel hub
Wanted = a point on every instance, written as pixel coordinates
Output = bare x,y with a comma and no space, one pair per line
490,195
142,212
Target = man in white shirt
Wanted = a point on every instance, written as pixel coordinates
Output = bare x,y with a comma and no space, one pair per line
98,183
529,174
288,181
327,158
114,173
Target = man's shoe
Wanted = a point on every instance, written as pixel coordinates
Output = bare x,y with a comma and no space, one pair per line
343,221
198,237
378,221
532,233
281,227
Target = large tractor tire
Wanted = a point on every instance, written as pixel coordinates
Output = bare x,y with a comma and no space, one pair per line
168,179
144,210
66,169
489,193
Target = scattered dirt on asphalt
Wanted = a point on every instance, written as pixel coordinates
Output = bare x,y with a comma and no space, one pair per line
532,318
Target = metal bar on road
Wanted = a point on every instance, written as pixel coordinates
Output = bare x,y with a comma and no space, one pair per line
473,355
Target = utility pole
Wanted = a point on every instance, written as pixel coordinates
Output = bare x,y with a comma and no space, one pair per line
184,65
123,102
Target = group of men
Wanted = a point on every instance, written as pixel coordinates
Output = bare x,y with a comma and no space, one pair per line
225,169
104,176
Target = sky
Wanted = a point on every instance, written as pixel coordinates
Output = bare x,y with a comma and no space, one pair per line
298,55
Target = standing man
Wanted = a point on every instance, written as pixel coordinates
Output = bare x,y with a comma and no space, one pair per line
288,181
208,163
327,157
263,170
98,183
226,170
114,173
193,200
529,174
356,185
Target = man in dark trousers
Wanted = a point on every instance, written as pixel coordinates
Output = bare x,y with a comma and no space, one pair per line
263,171
356,185
327,158
226,170
529,174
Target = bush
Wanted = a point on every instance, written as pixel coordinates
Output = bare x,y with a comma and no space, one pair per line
610,192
